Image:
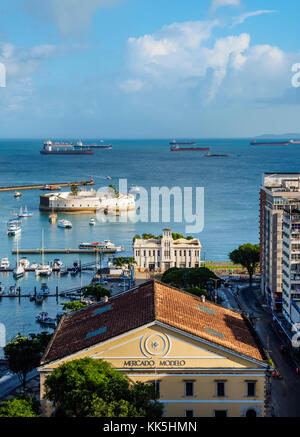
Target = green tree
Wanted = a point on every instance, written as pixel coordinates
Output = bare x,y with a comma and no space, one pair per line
197,291
96,292
74,190
189,278
93,388
123,262
75,305
23,354
21,406
247,255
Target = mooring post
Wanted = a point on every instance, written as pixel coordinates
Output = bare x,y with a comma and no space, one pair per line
34,291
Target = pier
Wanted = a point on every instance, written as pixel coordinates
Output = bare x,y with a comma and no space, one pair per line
64,251
40,186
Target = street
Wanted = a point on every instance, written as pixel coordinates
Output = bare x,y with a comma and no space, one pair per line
285,391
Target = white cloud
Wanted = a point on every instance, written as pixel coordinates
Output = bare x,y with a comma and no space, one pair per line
70,16
188,56
241,18
216,4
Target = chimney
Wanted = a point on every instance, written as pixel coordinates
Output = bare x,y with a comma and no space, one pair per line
203,298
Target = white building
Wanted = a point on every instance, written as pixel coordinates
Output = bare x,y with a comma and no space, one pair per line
86,201
162,254
291,263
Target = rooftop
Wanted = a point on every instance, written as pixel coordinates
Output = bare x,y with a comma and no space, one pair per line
150,302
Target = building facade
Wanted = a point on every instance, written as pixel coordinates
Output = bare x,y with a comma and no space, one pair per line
278,192
162,254
291,263
203,359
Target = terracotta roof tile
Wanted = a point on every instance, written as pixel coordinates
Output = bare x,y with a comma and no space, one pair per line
149,302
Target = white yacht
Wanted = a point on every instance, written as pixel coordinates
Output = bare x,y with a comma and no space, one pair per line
5,263
92,222
13,229
24,213
17,194
64,224
24,262
43,269
19,272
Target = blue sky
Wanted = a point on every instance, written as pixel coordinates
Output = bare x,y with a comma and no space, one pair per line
148,69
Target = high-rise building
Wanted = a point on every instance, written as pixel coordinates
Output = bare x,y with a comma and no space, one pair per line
279,192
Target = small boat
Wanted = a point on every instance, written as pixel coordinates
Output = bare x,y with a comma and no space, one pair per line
74,271
17,194
46,188
34,266
13,229
64,224
44,319
64,271
39,298
24,213
109,178
12,291
45,289
43,270
57,264
4,263
2,289
25,263
134,189
92,222
19,272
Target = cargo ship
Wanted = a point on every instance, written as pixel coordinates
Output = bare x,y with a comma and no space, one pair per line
80,145
269,143
187,143
64,149
177,148
215,155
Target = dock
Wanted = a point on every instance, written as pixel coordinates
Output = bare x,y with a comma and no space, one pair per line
63,251
40,186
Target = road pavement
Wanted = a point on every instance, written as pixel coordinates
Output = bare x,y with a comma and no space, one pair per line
285,391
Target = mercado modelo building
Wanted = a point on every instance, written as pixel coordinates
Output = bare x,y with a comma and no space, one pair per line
203,359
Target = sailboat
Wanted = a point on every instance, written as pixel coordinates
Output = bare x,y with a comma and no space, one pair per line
24,213
43,269
19,271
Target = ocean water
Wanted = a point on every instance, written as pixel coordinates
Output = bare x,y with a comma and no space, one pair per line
231,208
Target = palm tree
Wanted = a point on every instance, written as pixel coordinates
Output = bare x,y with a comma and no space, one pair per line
113,187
